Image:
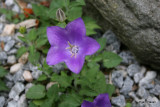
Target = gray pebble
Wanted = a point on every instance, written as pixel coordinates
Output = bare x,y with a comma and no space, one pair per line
1,27
133,69
127,87
2,101
119,101
3,18
5,38
9,2
9,77
127,57
142,92
9,45
16,8
146,81
117,78
16,90
12,104
11,59
156,90
3,56
22,102
12,51
9,84
18,76
156,102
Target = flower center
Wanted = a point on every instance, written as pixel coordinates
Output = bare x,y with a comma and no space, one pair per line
73,49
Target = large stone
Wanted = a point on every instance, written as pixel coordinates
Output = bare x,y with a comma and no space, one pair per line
136,23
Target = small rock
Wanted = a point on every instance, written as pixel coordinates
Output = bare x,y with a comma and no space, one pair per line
16,90
18,76
148,78
1,27
3,56
8,30
127,57
110,36
138,76
9,2
9,77
22,102
3,18
117,78
11,59
9,84
24,58
27,76
16,8
12,104
156,90
133,69
5,38
2,101
36,74
119,101
29,85
16,67
133,95
27,23
127,87
142,92
12,51
9,45
154,100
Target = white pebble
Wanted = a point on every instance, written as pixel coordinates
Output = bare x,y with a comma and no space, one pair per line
27,76
16,67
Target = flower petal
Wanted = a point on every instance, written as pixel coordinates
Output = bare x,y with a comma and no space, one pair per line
75,64
55,55
87,104
102,100
57,36
90,46
76,30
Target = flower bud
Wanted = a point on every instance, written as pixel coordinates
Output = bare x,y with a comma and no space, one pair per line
22,29
60,15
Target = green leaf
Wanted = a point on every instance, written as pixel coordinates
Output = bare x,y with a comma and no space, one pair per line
102,42
31,104
77,3
111,59
64,80
74,13
3,86
40,10
33,55
21,51
22,38
110,89
128,105
41,41
71,100
36,92
62,24
42,77
59,3
38,102
32,35
53,92
90,25
3,72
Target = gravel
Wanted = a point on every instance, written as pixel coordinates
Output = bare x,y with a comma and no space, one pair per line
119,101
2,101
